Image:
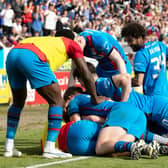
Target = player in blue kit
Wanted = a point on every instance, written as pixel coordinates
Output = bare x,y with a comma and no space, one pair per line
149,61
122,125
106,50
154,107
80,138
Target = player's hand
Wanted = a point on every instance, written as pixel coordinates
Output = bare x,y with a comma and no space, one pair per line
99,99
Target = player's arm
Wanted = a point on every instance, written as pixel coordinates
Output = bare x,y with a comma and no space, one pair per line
71,81
75,117
116,57
140,65
94,118
88,80
123,81
73,109
137,81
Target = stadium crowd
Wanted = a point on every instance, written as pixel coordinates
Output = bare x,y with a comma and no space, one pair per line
25,18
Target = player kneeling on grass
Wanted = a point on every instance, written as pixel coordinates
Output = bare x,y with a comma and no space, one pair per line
123,125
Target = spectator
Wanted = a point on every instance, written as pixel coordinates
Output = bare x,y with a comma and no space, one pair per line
8,14
17,6
25,33
17,25
37,21
65,20
50,19
2,6
14,37
27,17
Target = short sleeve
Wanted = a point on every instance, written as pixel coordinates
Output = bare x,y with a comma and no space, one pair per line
73,106
140,62
75,51
105,87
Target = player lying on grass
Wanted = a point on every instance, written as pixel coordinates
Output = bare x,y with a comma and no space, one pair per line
34,59
121,127
155,107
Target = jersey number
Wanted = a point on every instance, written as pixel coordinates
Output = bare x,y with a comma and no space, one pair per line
158,63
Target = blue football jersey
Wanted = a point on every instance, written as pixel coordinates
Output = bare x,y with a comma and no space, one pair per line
154,107
121,114
83,105
151,60
99,45
106,87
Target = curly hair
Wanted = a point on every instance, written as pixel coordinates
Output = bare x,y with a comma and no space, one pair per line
133,29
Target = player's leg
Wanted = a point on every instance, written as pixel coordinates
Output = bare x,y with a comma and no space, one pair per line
82,136
44,81
107,139
13,118
17,83
116,134
52,94
127,143
150,136
139,127
115,139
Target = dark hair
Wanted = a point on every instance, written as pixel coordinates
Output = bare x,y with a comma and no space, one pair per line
65,33
133,29
71,91
77,29
90,66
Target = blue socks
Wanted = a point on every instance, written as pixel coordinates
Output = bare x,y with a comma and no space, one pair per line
13,120
147,136
123,146
54,122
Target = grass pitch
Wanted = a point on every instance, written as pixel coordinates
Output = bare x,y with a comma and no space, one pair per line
28,141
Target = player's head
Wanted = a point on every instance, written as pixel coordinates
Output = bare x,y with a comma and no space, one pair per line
71,91
65,33
77,75
134,34
73,36
68,96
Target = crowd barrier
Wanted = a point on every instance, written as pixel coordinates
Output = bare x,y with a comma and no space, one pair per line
4,88
33,97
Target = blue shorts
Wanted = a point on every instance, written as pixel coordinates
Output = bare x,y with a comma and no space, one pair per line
23,65
159,114
128,117
82,137
105,73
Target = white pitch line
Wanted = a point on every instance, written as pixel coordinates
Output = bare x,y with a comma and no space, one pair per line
58,162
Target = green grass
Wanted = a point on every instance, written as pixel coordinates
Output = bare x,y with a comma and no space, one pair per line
28,141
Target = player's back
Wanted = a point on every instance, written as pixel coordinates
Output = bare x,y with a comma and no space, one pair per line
99,45
56,50
83,104
151,59
106,87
